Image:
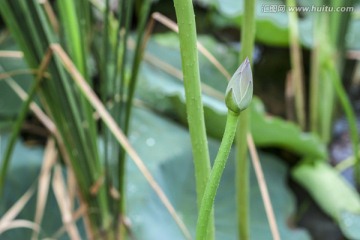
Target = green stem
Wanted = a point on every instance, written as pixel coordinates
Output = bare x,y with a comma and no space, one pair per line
350,115
105,53
15,133
117,45
242,176
119,88
125,8
139,50
195,112
321,111
120,108
74,40
76,45
314,79
215,176
242,162
104,85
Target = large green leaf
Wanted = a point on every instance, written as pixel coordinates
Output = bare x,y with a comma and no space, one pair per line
333,194
273,131
165,147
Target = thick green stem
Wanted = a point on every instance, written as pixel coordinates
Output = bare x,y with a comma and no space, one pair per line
242,162
242,177
190,65
215,176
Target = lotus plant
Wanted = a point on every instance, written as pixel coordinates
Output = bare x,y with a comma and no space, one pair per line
237,98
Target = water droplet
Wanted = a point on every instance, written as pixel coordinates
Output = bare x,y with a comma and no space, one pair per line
132,188
137,219
150,142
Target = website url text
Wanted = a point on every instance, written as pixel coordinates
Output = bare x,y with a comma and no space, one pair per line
274,8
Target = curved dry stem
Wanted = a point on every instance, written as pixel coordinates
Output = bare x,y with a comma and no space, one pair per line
12,213
21,223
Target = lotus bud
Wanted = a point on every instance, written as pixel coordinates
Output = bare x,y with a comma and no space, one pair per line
240,88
